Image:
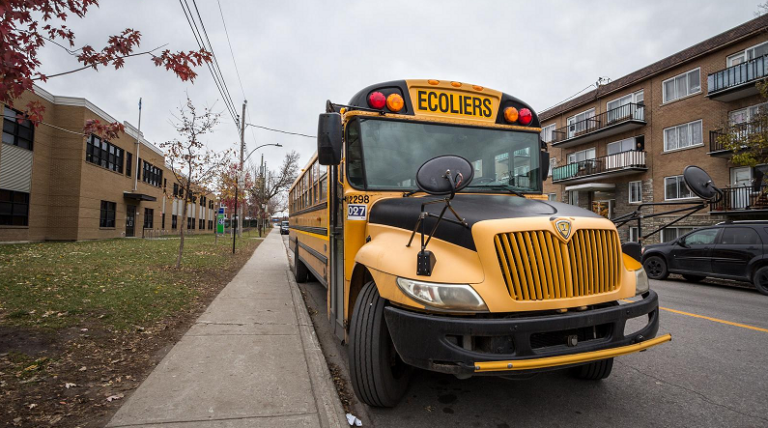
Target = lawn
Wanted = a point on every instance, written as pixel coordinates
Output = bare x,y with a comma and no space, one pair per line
121,283
82,323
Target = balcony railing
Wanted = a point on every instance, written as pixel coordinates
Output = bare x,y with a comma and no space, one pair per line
605,164
742,199
626,113
738,132
737,75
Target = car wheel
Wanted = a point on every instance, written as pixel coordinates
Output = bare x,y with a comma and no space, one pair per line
693,278
761,280
656,268
597,370
379,377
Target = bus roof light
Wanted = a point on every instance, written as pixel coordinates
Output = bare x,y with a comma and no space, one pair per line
510,114
525,116
395,102
376,100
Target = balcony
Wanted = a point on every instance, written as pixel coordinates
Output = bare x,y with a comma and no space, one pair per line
611,122
742,200
737,81
739,132
623,163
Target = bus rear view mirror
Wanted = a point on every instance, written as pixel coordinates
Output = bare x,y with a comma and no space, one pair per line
329,139
700,183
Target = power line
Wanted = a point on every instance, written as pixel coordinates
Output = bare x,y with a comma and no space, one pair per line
281,131
569,98
221,12
217,78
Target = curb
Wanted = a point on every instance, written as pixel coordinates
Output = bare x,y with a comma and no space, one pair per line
329,409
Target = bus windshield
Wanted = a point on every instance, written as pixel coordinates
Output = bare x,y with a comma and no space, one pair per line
385,154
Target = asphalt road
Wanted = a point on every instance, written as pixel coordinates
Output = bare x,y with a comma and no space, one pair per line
712,374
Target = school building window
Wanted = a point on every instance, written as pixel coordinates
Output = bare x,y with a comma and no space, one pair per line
15,133
162,221
174,221
107,216
201,226
128,163
14,208
681,85
190,223
105,154
149,218
152,174
210,224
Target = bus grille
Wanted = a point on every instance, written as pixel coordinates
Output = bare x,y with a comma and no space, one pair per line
536,265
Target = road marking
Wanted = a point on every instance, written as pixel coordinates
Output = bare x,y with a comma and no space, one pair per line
736,324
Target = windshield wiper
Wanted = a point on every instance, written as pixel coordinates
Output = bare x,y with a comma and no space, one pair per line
510,190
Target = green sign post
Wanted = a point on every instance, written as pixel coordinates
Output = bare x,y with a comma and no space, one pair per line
220,222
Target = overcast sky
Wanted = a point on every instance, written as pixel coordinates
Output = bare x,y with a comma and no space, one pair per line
293,56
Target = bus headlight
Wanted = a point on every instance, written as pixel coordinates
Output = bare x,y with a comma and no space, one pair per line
443,296
641,282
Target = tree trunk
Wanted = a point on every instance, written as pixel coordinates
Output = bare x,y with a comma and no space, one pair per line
181,231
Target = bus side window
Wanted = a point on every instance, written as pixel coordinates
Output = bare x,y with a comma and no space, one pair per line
354,156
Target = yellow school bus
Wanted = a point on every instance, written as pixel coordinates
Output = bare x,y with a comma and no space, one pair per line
484,278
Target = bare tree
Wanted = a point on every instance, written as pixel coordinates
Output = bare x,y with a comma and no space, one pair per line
273,185
191,162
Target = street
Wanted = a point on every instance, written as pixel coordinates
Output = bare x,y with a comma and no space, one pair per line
712,374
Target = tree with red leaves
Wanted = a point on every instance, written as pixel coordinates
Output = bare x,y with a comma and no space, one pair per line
27,25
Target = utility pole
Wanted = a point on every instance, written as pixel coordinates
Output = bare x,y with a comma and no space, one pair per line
234,223
242,167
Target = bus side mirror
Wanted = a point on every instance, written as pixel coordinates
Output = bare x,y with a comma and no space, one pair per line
329,139
544,166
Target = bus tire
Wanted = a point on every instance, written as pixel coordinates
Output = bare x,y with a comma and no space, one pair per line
379,377
299,268
596,370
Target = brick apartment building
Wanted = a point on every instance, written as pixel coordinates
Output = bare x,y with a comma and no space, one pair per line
58,185
628,141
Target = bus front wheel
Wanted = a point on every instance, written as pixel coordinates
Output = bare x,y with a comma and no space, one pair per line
299,268
379,377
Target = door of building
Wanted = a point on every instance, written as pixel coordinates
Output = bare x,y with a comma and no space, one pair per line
130,220
741,181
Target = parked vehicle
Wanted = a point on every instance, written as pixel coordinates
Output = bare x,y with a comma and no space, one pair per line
732,250
284,229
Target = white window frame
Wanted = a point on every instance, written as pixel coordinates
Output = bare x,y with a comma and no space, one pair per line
594,149
634,146
568,124
749,115
547,129
573,197
690,136
742,53
629,188
664,86
552,165
634,96
552,197
633,232
680,180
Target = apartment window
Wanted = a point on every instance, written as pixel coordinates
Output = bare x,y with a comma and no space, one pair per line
747,114
14,208
682,136
546,133
675,188
128,163
621,108
107,216
15,133
149,218
748,54
635,192
672,233
174,222
579,124
681,85
103,153
552,197
152,174
552,166
581,156
633,234
626,145
573,197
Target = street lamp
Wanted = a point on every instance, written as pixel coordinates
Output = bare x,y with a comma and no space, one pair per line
237,188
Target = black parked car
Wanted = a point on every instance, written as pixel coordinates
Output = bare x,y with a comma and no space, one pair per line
736,250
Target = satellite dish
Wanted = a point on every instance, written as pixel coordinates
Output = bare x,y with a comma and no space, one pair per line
434,175
700,182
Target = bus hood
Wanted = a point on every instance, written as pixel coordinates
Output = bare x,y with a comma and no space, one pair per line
404,212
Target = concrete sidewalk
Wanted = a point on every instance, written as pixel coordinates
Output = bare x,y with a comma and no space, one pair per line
252,359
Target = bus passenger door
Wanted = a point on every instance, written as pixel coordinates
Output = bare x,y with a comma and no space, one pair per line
336,229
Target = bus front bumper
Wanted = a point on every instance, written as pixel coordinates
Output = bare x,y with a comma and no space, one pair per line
530,344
